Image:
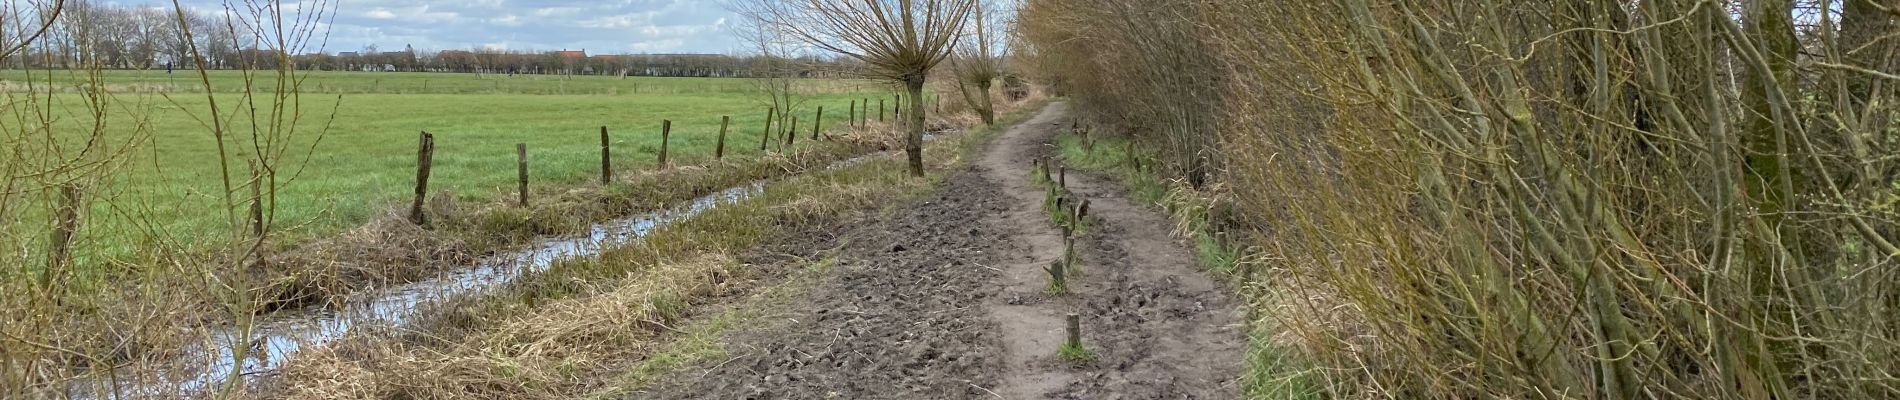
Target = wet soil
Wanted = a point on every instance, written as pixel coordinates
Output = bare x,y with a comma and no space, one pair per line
944,297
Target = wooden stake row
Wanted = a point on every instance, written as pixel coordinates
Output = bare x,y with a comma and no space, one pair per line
425,154
1076,212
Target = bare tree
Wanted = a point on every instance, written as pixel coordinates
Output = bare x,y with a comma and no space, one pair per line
899,40
152,28
776,66
979,61
257,131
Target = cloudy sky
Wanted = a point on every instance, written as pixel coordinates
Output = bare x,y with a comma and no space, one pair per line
599,26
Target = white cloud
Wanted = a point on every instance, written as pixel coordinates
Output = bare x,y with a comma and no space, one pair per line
622,21
423,15
556,11
677,30
379,13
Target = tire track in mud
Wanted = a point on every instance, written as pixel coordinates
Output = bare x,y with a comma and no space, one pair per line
943,298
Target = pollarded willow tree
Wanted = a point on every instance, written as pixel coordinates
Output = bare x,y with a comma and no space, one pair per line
898,40
979,60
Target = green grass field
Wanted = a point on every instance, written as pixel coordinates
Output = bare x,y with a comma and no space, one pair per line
365,161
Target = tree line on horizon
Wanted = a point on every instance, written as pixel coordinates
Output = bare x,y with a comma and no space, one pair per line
92,35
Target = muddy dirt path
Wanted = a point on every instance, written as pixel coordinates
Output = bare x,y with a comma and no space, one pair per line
944,298
1160,327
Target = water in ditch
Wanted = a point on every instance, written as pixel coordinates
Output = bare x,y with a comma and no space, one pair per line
277,336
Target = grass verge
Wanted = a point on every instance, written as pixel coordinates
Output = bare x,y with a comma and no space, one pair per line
702,340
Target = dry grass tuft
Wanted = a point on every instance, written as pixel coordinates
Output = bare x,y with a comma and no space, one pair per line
537,355
873,134
387,249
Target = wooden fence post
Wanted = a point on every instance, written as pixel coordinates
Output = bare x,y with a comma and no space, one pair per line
521,164
1051,199
817,122
851,119
1058,278
1068,244
606,159
766,136
1088,139
1074,341
1045,170
719,151
791,135
666,135
425,152
880,110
